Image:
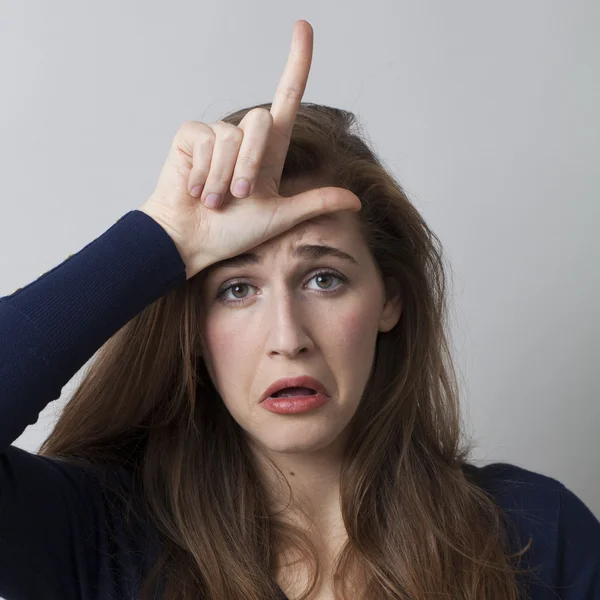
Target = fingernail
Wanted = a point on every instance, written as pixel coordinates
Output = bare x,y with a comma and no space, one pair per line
212,200
196,191
241,187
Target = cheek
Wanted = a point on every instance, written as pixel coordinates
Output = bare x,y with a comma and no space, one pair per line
228,346
225,340
350,352
355,334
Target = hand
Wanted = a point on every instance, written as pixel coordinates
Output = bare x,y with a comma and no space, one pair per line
211,156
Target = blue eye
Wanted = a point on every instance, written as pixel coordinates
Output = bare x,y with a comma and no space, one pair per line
242,284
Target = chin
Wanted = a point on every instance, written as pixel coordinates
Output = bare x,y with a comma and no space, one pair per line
297,442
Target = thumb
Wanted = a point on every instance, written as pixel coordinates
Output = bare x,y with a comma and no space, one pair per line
313,203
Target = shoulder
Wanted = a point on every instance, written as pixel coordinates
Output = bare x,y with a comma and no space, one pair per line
566,534
516,487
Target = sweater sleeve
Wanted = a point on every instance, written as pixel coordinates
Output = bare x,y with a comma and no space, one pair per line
579,549
50,521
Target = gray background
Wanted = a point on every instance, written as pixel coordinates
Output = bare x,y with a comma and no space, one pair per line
487,112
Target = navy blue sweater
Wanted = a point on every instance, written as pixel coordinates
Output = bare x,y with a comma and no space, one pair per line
62,539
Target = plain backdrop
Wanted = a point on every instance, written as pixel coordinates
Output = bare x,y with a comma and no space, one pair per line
486,112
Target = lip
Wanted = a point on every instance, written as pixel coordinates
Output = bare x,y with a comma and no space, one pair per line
302,381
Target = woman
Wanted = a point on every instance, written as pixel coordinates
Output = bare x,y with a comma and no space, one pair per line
273,411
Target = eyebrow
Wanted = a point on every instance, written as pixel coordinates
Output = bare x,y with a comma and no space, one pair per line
303,252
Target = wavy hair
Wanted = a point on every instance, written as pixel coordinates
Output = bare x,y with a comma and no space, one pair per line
418,523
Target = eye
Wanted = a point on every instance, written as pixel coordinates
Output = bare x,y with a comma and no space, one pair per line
236,286
324,275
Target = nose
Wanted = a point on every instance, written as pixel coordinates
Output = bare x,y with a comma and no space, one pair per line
287,324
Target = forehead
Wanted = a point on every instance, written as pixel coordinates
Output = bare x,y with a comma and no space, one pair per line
330,234
331,227
339,229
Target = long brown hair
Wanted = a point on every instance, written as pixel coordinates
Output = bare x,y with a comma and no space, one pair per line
418,524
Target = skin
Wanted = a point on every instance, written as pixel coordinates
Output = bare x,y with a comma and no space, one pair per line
284,327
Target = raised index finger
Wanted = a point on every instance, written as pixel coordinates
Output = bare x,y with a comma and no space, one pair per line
288,97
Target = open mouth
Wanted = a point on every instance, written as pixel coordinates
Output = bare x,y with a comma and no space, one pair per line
292,392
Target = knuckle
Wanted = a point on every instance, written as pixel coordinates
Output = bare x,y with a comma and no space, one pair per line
229,132
199,173
186,125
190,131
181,171
261,114
218,179
234,136
290,93
207,139
192,126
248,160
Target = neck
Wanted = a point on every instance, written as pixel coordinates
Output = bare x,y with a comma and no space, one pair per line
314,478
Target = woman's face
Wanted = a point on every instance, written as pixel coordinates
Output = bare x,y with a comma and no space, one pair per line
282,320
